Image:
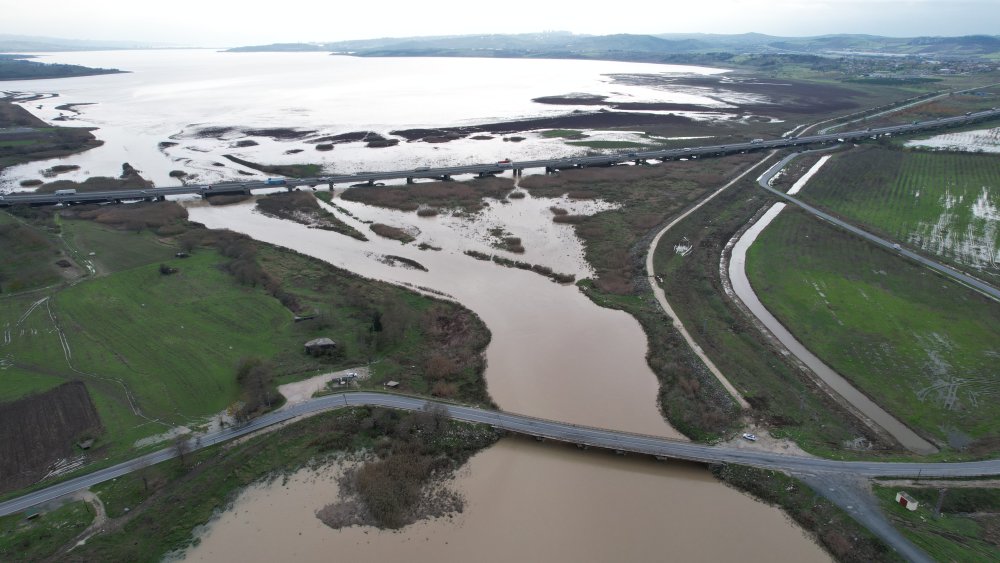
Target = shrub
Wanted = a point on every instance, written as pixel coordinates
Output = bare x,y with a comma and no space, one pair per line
391,232
478,255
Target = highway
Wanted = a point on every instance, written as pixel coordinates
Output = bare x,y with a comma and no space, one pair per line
545,429
489,168
958,276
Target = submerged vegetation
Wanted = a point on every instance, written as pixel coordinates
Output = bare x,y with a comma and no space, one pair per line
465,196
942,203
302,207
155,511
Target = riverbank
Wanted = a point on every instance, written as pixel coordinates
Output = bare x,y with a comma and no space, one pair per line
529,501
154,512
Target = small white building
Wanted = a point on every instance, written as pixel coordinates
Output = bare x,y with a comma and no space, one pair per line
906,500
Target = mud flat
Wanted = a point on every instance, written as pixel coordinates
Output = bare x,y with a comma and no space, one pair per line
524,502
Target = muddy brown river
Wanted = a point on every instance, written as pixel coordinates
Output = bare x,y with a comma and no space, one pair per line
554,354
525,501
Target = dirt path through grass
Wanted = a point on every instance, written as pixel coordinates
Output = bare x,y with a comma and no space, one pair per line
661,297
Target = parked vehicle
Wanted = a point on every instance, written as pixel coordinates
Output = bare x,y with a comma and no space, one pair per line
750,437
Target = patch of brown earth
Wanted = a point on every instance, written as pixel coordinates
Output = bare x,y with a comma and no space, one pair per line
39,430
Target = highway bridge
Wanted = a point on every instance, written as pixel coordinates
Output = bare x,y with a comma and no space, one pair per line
583,436
448,172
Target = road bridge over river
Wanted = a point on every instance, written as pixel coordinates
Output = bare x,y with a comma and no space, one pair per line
448,172
664,448
840,481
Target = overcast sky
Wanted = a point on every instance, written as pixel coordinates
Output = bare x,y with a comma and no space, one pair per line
247,22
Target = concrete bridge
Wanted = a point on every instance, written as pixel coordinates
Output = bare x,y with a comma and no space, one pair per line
584,436
490,169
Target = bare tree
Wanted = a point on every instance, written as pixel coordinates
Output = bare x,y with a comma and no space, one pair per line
182,448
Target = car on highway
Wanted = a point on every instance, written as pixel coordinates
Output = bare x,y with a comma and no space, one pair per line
749,437
422,169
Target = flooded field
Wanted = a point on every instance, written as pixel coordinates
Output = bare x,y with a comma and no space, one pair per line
982,140
185,109
524,502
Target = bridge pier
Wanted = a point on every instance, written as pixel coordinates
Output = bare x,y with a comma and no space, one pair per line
583,446
409,180
161,198
370,183
518,172
446,178
550,170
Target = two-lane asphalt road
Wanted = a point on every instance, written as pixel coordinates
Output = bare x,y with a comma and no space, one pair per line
560,431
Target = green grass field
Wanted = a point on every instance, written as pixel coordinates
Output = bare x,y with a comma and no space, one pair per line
168,345
114,250
958,534
173,339
27,257
41,537
922,346
943,203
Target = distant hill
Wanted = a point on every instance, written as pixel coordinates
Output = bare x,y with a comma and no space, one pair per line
26,43
640,47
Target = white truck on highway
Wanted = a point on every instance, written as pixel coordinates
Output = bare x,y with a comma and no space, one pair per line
65,192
